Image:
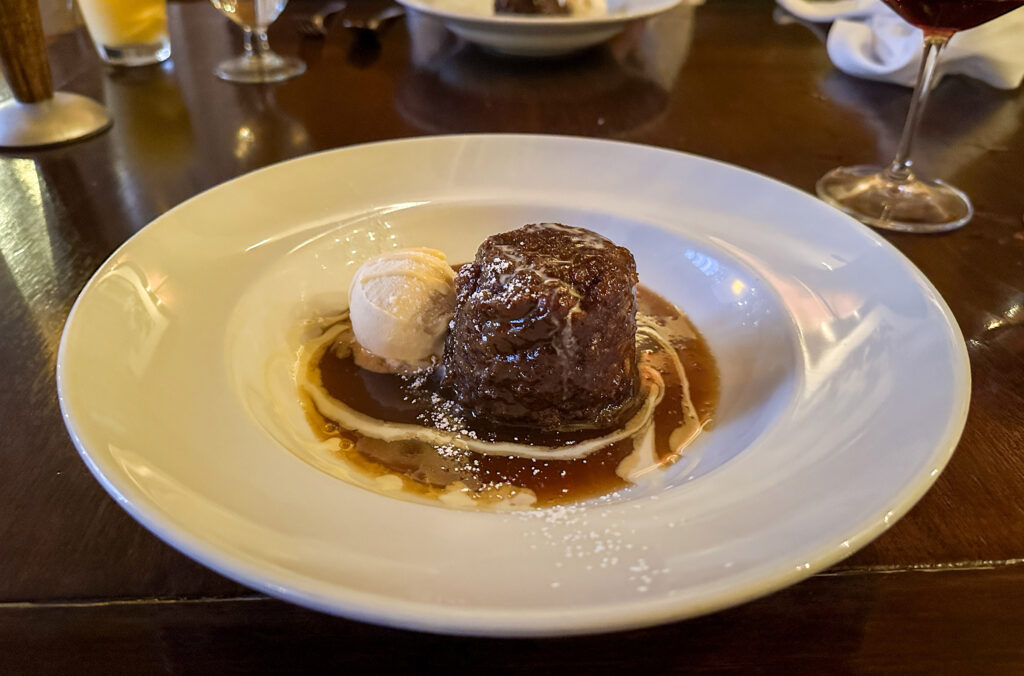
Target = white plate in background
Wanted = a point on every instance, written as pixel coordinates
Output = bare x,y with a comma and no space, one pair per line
536,36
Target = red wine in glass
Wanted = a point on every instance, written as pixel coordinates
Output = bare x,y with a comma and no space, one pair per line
894,197
949,16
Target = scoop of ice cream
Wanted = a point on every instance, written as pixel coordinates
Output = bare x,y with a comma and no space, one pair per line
400,304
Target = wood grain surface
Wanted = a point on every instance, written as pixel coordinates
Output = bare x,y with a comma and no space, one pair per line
23,50
826,625
83,588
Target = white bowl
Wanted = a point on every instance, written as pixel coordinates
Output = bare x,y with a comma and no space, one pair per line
535,36
844,386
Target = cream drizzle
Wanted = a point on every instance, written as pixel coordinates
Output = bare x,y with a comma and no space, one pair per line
640,426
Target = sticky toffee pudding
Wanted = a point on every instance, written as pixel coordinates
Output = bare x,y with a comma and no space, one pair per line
561,379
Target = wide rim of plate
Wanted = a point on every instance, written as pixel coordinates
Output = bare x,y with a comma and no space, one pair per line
568,22
389,611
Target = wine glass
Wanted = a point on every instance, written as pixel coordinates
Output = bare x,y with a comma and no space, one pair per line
894,197
259,63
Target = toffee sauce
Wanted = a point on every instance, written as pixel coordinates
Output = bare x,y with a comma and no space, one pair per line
427,470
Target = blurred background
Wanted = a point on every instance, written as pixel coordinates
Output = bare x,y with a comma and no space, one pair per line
59,16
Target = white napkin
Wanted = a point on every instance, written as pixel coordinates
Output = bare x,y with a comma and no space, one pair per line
869,40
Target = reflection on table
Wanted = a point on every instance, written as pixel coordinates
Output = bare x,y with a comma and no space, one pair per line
455,86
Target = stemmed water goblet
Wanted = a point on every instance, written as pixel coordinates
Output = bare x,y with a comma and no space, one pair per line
895,197
259,63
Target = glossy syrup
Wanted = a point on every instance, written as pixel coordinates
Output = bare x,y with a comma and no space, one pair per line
427,470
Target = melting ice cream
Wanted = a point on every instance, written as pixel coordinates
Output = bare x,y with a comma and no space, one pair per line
400,304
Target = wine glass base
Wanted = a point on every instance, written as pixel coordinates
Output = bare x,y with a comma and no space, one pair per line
266,67
913,205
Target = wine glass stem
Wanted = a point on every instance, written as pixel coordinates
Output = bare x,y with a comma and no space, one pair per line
901,168
262,43
247,42
255,43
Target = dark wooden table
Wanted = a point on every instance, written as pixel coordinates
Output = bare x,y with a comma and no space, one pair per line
83,588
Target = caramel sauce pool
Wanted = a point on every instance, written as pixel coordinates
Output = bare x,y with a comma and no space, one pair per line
427,470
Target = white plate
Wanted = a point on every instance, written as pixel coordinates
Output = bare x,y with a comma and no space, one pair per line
538,36
844,386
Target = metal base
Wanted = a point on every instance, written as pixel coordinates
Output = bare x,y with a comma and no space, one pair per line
63,119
